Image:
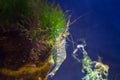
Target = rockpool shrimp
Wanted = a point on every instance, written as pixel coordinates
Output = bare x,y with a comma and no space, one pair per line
59,50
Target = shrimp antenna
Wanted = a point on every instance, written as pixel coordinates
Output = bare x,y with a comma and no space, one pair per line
71,40
78,18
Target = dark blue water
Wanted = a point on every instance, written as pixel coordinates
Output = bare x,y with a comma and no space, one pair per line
100,27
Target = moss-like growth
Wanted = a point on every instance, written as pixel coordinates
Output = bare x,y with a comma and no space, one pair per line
94,70
51,22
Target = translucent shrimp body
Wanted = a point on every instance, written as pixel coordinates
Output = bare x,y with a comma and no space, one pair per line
59,55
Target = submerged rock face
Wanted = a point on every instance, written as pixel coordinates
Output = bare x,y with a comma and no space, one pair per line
28,31
21,58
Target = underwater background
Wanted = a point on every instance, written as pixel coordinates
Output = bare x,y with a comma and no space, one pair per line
99,26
